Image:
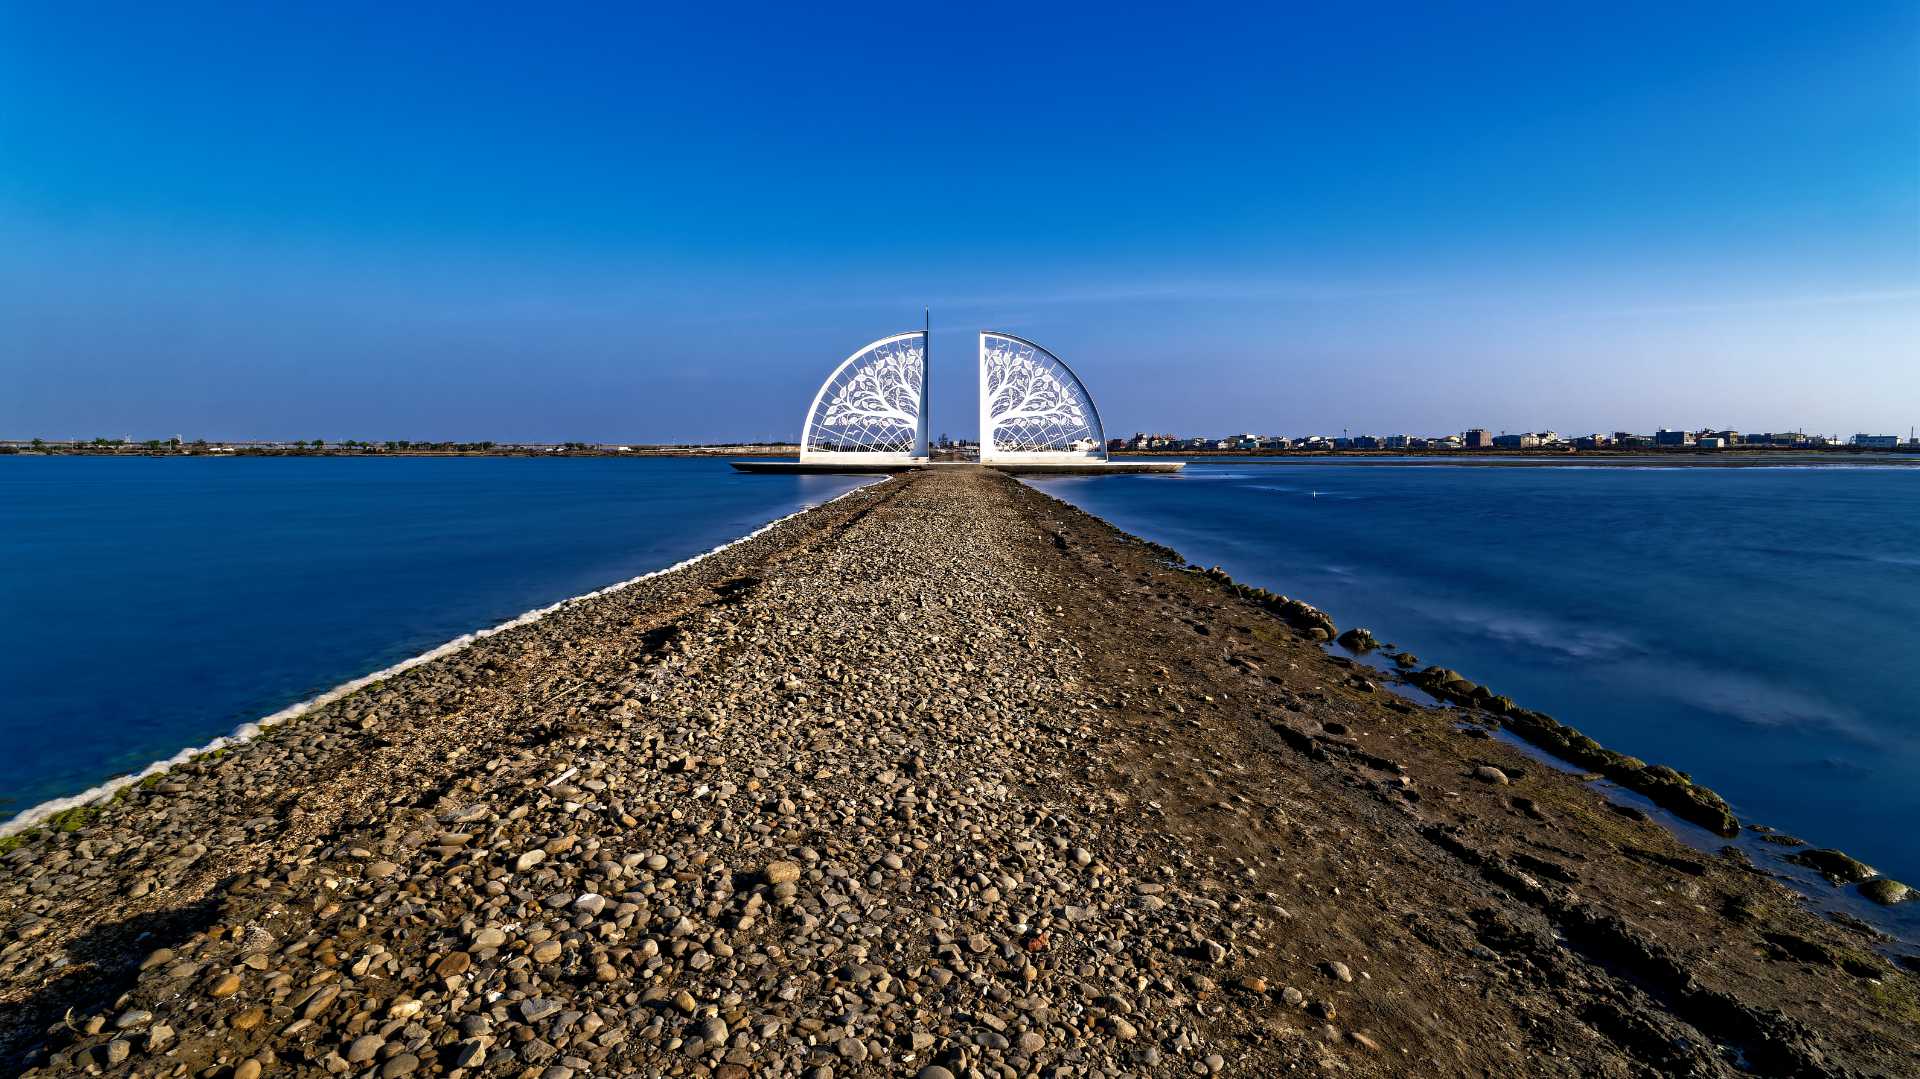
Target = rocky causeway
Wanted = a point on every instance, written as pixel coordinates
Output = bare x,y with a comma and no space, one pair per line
944,779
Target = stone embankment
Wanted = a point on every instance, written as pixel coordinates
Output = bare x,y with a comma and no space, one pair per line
943,779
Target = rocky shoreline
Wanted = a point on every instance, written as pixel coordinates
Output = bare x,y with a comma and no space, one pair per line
1668,788
945,779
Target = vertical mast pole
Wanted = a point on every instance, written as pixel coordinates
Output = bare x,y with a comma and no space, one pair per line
986,418
926,382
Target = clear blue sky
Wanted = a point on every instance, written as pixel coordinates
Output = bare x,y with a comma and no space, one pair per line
473,222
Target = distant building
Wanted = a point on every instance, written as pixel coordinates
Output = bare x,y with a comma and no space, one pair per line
1876,442
1399,442
1595,441
1666,438
1366,442
1446,442
1478,439
1712,442
1515,442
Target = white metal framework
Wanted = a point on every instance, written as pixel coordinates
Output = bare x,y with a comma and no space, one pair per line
1032,406
873,408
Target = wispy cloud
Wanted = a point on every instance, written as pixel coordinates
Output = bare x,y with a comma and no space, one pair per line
1199,291
1769,303
1493,297
1012,307
1001,304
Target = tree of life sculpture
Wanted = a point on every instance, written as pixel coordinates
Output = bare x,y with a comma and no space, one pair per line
1032,405
873,407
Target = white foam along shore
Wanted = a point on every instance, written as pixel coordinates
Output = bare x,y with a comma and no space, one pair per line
246,732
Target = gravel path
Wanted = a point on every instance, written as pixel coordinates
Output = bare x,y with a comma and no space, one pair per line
944,779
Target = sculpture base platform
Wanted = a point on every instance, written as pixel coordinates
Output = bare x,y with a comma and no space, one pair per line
855,468
1085,468
825,468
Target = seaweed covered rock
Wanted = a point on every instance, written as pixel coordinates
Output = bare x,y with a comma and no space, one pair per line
1308,618
1358,639
1886,892
1672,790
1310,621
1448,685
1677,793
1837,866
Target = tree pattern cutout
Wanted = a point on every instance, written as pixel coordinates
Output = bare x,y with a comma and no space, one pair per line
872,405
1034,403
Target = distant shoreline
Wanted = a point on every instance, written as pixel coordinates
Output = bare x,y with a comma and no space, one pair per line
1534,459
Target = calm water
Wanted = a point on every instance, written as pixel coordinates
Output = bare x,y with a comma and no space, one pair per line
1759,627
152,605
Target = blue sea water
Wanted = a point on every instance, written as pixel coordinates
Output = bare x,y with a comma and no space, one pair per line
153,604
1756,627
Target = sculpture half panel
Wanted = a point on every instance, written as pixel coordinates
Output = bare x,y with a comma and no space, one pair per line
1032,406
873,407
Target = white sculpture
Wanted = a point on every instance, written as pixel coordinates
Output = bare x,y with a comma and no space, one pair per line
1033,407
873,408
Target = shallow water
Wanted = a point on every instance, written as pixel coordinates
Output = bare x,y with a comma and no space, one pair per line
155,604
1756,627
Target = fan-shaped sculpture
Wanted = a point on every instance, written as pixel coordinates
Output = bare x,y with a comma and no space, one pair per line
873,408
1033,407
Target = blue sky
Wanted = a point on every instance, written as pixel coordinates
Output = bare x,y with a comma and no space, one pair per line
474,222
